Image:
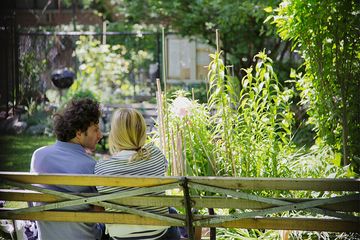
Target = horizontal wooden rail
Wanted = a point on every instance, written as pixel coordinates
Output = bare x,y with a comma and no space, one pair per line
175,201
309,184
87,180
337,213
310,224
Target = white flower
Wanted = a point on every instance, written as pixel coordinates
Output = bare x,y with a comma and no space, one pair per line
82,67
181,106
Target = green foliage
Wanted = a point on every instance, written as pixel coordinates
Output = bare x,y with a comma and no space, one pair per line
39,114
143,49
30,71
328,37
318,162
223,119
237,133
76,91
102,71
190,144
105,70
240,22
254,125
246,234
140,59
81,94
245,133
198,90
146,43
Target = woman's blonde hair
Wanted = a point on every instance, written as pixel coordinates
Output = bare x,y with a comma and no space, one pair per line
128,132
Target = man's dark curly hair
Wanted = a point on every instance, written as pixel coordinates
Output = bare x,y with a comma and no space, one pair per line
78,114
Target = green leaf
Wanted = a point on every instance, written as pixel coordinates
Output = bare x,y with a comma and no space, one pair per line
268,9
337,159
292,73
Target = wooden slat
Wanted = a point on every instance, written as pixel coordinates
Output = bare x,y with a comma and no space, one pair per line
217,202
323,184
313,184
310,224
175,201
96,200
87,180
223,185
26,196
76,200
294,206
103,217
243,195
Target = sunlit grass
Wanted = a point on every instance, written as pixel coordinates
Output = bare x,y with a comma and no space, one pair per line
16,151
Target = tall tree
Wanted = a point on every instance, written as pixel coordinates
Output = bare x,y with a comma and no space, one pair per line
328,34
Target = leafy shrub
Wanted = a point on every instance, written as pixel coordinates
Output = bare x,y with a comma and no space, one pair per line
330,85
103,69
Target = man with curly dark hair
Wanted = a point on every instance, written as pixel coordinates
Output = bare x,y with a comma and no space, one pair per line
77,131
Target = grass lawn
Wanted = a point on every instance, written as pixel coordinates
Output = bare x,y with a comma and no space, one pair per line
16,151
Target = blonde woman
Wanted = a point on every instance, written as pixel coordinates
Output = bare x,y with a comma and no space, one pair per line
130,156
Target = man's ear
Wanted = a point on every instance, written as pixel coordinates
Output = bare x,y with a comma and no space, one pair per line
78,134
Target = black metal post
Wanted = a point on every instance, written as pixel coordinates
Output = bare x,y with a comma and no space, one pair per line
212,229
13,61
17,64
74,7
187,202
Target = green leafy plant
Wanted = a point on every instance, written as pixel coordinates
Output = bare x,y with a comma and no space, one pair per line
30,72
198,90
247,234
189,139
243,132
253,125
327,36
103,69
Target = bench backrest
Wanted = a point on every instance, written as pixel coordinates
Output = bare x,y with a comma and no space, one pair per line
339,211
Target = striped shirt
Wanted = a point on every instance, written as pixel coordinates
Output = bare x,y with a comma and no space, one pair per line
119,165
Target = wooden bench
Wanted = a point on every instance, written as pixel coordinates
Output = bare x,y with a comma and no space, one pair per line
333,214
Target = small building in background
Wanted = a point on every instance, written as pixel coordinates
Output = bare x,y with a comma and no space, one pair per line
187,60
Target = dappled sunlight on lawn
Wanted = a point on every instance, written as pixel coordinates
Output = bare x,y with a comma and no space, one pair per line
16,150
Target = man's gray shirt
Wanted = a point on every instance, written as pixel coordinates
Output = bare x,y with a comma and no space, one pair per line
69,158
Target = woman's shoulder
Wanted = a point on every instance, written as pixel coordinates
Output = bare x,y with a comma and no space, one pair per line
110,164
156,155
152,148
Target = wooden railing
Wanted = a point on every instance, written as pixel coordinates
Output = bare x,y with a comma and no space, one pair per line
338,213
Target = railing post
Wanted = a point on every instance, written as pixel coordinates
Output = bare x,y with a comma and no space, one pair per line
212,229
187,202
